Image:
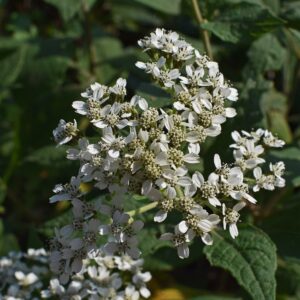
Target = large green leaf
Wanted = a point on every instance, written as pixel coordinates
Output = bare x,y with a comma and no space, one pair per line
250,258
266,53
166,6
47,71
11,66
243,21
288,276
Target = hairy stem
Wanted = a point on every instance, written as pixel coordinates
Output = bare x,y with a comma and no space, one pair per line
204,32
142,209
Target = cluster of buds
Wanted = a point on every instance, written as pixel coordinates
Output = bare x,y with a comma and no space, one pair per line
27,276
148,151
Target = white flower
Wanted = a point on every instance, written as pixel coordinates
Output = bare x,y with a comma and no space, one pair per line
231,217
65,132
109,116
119,88
119,220
114,144
139,280
85,151
205,222
96,91
25,279
209,189
249,153
68,191
171,178
152,68
181,237
272,141
129,246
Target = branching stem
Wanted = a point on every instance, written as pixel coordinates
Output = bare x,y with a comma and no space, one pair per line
142,209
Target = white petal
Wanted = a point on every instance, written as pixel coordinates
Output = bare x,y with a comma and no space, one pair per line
183,251
198,179
182,227
147,186
194,148
207,239
214,201
257,172
191,158
230,112
239,206
160,216
233,230
217,161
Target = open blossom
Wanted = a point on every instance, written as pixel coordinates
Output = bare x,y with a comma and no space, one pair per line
68,191
270,181
65,132
231,217
181,238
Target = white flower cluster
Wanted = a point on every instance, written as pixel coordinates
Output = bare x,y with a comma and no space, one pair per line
148,151
21,273
27,276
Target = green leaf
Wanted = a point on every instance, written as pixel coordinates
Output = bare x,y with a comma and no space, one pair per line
291,13
66,8
250,258
171,7
243,21
107,49
274,105
47,71
288,276
266,53
278,124
11,66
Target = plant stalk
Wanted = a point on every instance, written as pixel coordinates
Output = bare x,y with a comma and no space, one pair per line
142,209
205,35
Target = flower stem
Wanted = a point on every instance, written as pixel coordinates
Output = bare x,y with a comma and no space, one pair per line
179,191
142,209
204,32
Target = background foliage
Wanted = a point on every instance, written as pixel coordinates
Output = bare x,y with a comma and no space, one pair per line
51,50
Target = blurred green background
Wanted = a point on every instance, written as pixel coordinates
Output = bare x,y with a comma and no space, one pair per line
51,50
